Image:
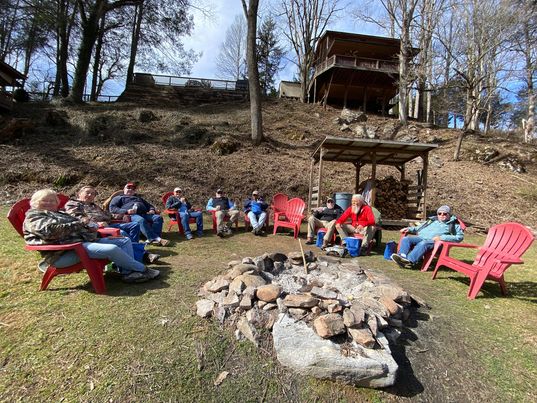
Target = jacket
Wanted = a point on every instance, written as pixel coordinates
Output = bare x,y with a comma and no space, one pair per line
449,230
175,202
365,217
121,204
44,227
328,214
223,202
256,205
87,213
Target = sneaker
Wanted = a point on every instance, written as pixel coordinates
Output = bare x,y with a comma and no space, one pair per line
189,237
151,274
310,241
42,266
164,242
228,230
151,257
400,260
220,234
135,277
199,234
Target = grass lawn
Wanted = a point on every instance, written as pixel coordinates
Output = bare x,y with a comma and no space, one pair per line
144,342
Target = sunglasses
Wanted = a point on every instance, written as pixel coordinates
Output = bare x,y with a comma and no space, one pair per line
442,213
130,187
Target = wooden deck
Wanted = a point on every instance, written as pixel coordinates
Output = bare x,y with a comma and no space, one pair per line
358,63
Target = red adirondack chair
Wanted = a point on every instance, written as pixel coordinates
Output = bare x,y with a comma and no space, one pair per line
94,267
293,216
176,220
279,204
429,256
504,245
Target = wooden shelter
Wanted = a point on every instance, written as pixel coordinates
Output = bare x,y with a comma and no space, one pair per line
374,152
356,70
9,77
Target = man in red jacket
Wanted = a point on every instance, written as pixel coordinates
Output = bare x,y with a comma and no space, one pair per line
362,221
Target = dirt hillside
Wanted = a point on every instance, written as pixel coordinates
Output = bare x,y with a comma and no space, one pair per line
204,147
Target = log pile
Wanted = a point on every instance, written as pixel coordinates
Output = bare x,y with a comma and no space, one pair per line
391,198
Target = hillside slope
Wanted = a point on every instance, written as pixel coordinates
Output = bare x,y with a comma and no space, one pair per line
106,145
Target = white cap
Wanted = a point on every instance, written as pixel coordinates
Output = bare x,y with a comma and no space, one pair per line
177,190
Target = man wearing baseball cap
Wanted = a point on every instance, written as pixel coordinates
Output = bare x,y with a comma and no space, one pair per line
255,209
141,211
323,217
442,227
179,202
223,207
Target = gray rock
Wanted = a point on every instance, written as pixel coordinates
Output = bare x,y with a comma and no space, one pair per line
248,260
246,302
264,263
298,313
204,308
262,319
237,286
250,280
278,257
233,263
231,301
217,285
241,268
269,306
301,349
218,297
278,267
323,293
247,330
281,306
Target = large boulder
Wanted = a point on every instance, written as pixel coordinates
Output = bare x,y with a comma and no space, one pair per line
301,349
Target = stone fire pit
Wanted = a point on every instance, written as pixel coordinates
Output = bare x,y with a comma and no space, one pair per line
332,319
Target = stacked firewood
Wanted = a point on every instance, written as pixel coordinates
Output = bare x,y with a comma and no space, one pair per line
391,197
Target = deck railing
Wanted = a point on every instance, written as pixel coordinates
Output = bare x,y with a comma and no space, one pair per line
190,82
360,62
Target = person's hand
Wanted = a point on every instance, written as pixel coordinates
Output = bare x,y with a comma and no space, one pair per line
131,211
403,230
126,218
437,238
102,224
183,200
217,208
338,226
152,211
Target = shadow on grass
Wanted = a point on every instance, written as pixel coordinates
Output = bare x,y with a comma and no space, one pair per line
407,385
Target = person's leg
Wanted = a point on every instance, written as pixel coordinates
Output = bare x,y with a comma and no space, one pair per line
330,228
344,230
419,250
131,228
116,250
220,214
185,218
253,220
198,215
233,217
158,222
261,220
407,243
145,227
368,233
313,223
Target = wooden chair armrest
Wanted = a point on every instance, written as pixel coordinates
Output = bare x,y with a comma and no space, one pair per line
67,246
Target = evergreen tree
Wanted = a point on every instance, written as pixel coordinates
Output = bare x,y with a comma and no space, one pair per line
269,55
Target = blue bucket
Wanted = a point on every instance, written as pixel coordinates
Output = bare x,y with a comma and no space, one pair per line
343,200
320,237
389,250
353,245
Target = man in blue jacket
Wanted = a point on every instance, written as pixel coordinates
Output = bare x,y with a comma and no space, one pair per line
255,208
142,212
443,227
223,207
178,202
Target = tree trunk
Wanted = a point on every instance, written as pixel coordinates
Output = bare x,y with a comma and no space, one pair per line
458,146
97,60
134,42
90,29
253,72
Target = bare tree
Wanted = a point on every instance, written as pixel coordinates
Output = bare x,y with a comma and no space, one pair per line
250,11
231,61
306,21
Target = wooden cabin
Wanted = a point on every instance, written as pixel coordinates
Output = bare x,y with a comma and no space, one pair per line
356,71
9,77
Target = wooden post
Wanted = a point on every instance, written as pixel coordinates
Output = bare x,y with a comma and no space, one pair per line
311,183
351,77
402,170
425,158
365,100
325,100
373,178
315,90
320,177
357,179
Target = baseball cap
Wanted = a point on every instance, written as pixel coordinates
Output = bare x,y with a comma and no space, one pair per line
255,192
329,200
219,190
177,190
131,185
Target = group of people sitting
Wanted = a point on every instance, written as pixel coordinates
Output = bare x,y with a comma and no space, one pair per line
133,215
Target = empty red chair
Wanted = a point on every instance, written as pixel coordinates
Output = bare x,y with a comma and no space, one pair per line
292,216
94,267
279,204
504,245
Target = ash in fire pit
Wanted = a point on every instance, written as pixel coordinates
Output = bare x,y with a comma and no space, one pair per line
331,320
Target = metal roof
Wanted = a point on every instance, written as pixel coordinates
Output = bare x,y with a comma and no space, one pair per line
387,152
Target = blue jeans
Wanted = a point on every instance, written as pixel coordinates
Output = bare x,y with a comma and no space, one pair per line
117,250
418,245
185,217
130,229
150,225
257,220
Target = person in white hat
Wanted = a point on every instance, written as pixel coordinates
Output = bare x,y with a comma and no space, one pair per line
442,227
180,203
